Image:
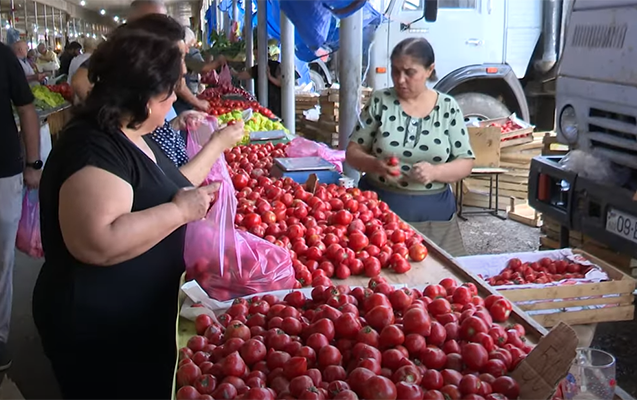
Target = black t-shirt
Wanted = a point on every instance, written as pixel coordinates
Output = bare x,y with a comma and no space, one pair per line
65,63
77,303
274,91
15,89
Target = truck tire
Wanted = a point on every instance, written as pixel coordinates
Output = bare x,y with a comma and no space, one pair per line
480,107
317,80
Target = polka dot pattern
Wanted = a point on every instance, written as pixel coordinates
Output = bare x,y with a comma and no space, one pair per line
171,144
436,138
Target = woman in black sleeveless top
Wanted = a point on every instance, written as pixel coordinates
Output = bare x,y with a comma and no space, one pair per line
113,215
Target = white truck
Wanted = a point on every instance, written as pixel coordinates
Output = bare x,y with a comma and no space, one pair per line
495,56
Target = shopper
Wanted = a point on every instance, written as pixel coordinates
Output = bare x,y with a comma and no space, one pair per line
20,49
88,48
113,215
425,130
47,59
14,91
273,72
71,51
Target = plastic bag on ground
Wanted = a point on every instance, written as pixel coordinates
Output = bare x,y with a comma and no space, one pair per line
301,147
28,239
225,261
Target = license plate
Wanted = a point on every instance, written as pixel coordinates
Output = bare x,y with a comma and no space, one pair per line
622,224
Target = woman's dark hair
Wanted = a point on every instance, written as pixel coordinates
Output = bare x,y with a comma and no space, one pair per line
140,60
420,50
73,46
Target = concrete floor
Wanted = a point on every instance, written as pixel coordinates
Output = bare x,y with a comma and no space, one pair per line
31,371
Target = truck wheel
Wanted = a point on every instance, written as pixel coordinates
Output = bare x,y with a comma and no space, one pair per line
317,80
480,107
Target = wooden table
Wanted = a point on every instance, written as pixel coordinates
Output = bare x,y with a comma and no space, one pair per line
494,175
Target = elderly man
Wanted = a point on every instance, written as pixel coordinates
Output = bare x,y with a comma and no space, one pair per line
47,59
14,91
21,50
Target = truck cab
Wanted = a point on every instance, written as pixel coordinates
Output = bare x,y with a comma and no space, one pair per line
486,50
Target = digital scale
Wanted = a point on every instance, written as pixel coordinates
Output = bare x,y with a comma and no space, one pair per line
299,169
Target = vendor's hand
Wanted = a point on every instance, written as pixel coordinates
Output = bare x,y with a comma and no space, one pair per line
380,167
32,177
188,119
229,136
202,105
41,77
194,203
424,172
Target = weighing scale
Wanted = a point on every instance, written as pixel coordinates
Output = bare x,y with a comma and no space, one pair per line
299,169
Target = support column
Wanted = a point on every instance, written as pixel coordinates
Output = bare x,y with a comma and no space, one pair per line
288,73
249,38
262,47
349,75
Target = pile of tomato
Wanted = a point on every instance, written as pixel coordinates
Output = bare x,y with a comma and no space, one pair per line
64,89
220,106
544,271
348,343
332,232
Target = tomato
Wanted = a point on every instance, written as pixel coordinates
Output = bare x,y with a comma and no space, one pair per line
474,356
369,336
391,336
507,386
500,310
379,317
438,334
329,355
432,380
186,393
187,374
417,320
462,295
347,326
433,358
379,388
418,252
197,343
225,391
433,395
358,379
495,367
408,391
439,306
399,264
372,267
469,384
485,340
345,395
407,373
300,384
471,326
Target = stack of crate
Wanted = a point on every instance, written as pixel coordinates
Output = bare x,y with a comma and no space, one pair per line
516,159
550,239
326,130
303,102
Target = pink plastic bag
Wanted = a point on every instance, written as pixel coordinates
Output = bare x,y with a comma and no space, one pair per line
225,77
226,262
301,147
28,240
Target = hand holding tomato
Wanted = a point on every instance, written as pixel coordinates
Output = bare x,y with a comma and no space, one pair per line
383,168
194,203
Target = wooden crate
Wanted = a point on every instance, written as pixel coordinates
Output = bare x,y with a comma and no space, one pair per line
551,147
584,303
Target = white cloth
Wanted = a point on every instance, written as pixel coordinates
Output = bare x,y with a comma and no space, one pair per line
75,64
28,69
10,212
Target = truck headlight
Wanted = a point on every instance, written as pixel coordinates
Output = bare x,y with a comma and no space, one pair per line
568,124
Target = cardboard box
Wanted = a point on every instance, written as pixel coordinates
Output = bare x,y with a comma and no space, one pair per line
485,142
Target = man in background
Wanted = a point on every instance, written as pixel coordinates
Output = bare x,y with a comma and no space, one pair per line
21,50
71,51
90,45
16,169
47,59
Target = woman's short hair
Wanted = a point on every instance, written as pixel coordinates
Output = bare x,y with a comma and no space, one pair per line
133,66
420,50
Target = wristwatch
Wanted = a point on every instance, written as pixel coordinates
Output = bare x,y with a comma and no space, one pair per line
37,164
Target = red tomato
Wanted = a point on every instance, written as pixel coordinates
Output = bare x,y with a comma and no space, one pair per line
418,252
417,320
507,386
500,310
474,356
379,388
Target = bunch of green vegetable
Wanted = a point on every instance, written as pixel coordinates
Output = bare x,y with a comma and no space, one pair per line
44,98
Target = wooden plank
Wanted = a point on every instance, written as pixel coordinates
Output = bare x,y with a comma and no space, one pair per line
485,143
519,159
516,142
532,146
611,314
523,214
623,300
567,292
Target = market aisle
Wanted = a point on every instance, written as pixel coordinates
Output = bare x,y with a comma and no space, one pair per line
31,370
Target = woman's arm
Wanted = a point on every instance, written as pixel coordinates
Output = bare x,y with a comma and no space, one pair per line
98,226
276,78
242,76
186,95
358,158
197,169
449,172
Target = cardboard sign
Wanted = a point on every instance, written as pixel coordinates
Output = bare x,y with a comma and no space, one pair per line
544,368
485,142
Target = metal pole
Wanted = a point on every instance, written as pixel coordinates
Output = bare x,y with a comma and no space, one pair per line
287,73
235,10
350,61
262,47
249,38
227,26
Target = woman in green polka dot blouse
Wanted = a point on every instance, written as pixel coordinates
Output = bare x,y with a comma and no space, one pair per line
425,130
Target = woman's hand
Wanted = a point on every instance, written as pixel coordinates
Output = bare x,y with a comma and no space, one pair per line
424,172
194,203
201,104
188,119
229,136
382,168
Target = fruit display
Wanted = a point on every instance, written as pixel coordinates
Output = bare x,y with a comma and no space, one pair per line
348,343
216,93
544,271
507,127
64,89
334,232
45,98
258,122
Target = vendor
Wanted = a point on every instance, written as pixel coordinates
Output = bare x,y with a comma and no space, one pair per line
425,130
113,214
273,72
20,49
